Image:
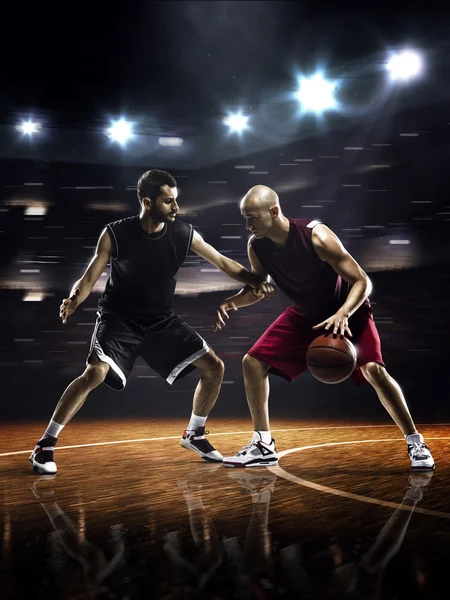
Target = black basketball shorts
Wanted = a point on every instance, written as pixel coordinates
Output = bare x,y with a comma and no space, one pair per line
169,346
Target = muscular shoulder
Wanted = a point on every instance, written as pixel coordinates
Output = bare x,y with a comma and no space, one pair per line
121,222
321,235
122,228
182,226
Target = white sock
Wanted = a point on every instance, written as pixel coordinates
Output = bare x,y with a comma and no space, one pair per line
263,436
195,422
414,437
53,429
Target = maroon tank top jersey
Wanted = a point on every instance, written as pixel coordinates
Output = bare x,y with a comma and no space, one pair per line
314,287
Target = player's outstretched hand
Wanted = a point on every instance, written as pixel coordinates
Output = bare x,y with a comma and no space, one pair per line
68,306
222,313
264,289
338,323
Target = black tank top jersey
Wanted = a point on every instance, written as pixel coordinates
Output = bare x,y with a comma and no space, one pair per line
142,281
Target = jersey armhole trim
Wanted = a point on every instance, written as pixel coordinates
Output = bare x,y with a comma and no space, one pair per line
111,231
191,235
312,224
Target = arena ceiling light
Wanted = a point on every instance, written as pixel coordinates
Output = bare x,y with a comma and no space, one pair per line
405,65
28,127
236,122
170,141
316,94
120,131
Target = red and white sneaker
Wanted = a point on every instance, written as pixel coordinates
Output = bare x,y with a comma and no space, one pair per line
196,440
255,454
259,484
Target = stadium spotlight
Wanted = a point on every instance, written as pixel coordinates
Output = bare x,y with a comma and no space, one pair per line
316,94
170,141
404,65
236,122
28,127
120,131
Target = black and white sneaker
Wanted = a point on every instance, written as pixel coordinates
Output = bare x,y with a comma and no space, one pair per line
42,457
255,454
196,440
417,485
419,453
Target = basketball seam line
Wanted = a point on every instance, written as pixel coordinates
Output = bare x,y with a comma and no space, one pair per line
330,366
327,348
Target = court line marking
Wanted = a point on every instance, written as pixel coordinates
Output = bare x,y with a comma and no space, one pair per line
176,437
335,492
284,474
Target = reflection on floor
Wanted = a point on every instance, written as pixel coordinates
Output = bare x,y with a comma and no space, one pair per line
150,520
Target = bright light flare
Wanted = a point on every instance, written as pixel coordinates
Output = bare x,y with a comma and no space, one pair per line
28,127
237,122
405,65
120,131
316,94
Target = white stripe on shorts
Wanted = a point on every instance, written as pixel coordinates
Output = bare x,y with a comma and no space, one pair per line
187,361
95,347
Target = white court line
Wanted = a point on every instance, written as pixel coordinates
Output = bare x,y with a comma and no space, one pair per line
175,437
335,492
284,474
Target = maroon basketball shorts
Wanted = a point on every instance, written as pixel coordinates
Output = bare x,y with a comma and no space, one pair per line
283,345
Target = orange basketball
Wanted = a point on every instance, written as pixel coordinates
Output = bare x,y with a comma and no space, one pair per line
331,359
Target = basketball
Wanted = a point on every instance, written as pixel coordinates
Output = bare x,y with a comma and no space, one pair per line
331,359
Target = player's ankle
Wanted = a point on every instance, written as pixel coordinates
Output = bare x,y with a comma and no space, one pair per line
195,422
47,440
262,436
53,429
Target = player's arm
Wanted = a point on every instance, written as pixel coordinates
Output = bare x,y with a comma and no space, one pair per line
245,297
228,266
83,287
330,249
248,296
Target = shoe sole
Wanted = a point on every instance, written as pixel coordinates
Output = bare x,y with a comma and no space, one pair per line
39,470
263,463
207,458
422,469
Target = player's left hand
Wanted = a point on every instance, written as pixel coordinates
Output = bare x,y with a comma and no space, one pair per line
265,289
222,313
338,323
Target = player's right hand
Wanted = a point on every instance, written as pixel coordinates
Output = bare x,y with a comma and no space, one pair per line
68,306
222,313
264,290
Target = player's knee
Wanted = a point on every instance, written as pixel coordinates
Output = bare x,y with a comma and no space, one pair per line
251,364
374,372
95,374
212,366
217,366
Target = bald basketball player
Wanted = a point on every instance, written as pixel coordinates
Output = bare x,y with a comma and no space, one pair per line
329,290
135,316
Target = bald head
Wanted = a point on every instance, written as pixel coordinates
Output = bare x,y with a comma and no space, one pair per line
261,210
260,197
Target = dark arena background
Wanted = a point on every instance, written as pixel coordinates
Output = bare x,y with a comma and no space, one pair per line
344,110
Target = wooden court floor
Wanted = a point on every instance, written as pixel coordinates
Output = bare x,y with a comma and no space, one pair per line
131,514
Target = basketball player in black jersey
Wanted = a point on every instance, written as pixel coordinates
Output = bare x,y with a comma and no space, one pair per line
135,316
